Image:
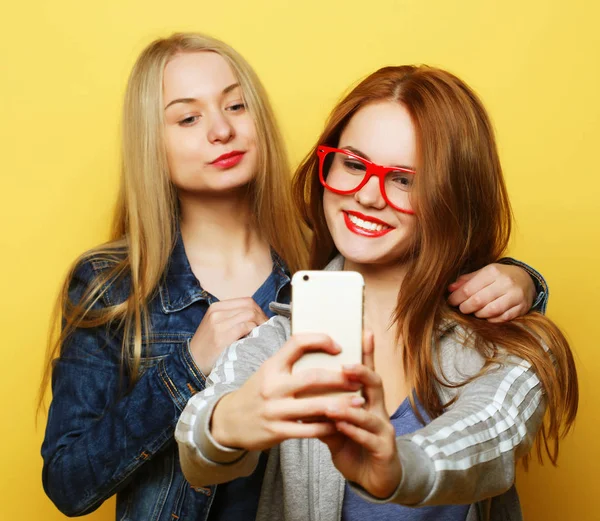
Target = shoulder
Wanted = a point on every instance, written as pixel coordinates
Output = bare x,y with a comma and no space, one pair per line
103,271
456,357
93,263
461,357
460,354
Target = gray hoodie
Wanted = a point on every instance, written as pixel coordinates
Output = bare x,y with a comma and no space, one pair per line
467,455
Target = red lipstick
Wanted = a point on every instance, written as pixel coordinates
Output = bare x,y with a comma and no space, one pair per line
364,232
228,160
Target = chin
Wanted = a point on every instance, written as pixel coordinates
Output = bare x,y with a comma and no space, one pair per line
229,185
221,183
368,251
363,254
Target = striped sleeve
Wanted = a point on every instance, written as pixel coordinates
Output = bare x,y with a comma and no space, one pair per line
204,461
469,453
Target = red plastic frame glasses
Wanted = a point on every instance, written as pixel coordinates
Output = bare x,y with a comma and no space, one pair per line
373,169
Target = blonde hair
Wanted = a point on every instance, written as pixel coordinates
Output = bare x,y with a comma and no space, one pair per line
145,219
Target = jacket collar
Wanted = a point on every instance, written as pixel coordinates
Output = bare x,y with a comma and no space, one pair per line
181,288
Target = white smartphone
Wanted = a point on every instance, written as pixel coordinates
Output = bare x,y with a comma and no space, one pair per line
329,302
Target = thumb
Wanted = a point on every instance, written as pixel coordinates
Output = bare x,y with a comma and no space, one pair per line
369,349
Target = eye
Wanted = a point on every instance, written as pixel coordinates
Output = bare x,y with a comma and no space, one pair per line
237,107
402,180
189,121
354,166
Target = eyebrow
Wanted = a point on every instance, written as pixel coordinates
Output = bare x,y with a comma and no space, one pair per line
226,90
365,156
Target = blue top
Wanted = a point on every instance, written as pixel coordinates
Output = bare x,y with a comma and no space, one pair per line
355,508
106,437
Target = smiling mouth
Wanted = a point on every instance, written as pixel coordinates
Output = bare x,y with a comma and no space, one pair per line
367,227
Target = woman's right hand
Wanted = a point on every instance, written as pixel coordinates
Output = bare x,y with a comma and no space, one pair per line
224,323
265,410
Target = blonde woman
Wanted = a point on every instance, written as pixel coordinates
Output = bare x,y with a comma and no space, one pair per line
204,237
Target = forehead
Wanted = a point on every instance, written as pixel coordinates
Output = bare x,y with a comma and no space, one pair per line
196,75
384,131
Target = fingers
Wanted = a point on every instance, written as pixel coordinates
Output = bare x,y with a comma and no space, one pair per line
512,313
227,309
362,374
300,344
488,285
310,381
497,307
233,303
335,442
370,423
474,283
478,281
226,319
481,298
235,323
241,329
371,382
246,315
219,314
517,279
368,349
302,408
461,281
464,292
366,439
287,430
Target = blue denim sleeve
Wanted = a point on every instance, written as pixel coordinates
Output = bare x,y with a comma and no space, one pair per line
97,434
541,287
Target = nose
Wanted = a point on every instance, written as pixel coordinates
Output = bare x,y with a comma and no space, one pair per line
370,195
220,129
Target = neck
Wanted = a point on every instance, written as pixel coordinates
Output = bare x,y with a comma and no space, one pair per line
382,285
217,228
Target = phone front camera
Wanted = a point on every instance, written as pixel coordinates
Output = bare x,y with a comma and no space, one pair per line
305,277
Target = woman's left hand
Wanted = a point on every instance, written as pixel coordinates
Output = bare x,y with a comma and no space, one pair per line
364,448
497,292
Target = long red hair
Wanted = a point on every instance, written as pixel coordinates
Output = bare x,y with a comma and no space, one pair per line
464,223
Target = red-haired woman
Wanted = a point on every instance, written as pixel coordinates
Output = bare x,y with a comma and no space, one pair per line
405,187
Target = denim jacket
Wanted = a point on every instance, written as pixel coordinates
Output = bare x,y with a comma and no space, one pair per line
103,438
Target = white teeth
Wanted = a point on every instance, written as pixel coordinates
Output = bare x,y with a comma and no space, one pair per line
367,225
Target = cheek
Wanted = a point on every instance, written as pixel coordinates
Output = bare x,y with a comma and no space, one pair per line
331,205
408,229
172,153
183,149
246,129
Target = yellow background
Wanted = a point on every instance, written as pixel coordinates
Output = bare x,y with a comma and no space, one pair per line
64,64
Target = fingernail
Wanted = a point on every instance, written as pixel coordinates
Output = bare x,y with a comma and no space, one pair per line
357,401
349,367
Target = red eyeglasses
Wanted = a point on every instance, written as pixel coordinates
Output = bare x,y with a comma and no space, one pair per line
343,172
